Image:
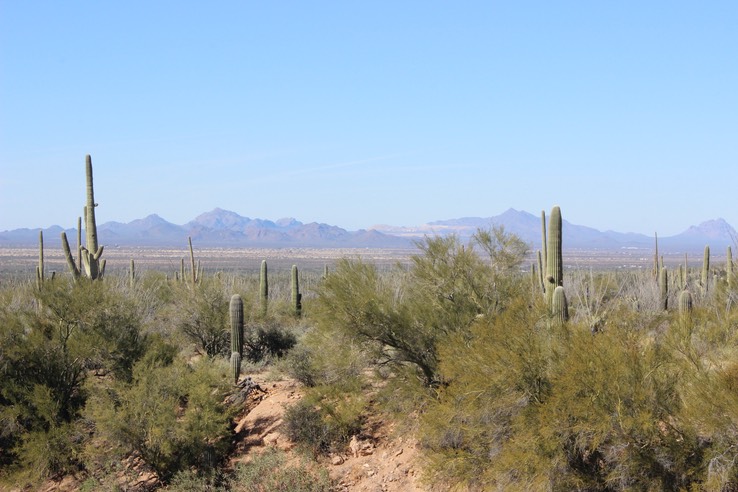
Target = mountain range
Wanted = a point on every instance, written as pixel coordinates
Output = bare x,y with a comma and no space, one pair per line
223,228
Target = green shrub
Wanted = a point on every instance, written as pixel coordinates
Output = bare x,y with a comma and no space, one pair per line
325,418
268,340
172,416
201,314
268,472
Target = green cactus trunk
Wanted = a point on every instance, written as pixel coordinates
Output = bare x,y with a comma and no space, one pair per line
264,288
656,256
193,266
296,296
236,318
132,274
88,256
40,267
541,273
94,267
554,261
559,305
544,239
235,366
79,241
664,288
685,279
705,277
729,266
685,303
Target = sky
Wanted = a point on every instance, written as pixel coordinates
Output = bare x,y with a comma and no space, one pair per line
623,113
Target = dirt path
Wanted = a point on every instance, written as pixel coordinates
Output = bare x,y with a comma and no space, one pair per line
375,461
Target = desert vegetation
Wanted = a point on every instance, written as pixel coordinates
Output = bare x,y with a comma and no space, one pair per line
511,374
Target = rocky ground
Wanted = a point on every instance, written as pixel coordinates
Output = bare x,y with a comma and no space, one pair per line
377,460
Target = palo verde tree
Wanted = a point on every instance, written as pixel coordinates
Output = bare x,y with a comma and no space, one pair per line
402,318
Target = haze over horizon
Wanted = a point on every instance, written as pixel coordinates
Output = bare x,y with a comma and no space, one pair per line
357,114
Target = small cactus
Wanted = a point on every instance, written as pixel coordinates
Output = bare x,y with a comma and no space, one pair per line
705,277
296,296
664,288
559,305
194,268
729,266
264,288
685,303
40,268
656,256
544,252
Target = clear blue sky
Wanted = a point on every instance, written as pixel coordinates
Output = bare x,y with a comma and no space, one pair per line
624,113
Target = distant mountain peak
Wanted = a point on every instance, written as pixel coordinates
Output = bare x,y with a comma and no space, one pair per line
288,222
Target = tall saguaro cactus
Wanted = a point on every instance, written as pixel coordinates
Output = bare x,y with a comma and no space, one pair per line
264,288
89,255
236,318
193,267
554,260
729,266
296,296
664,288
40,268
705,277
656,256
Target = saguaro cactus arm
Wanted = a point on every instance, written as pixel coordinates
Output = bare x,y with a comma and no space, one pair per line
68,255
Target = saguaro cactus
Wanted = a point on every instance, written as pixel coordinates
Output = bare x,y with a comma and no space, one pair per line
235,366
685,303
705,277
132,274
193,267
40,268
656,255
554,260
559,305
236,318
541,272
664,288
264,288
544,238
89,254
296,296
729,266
